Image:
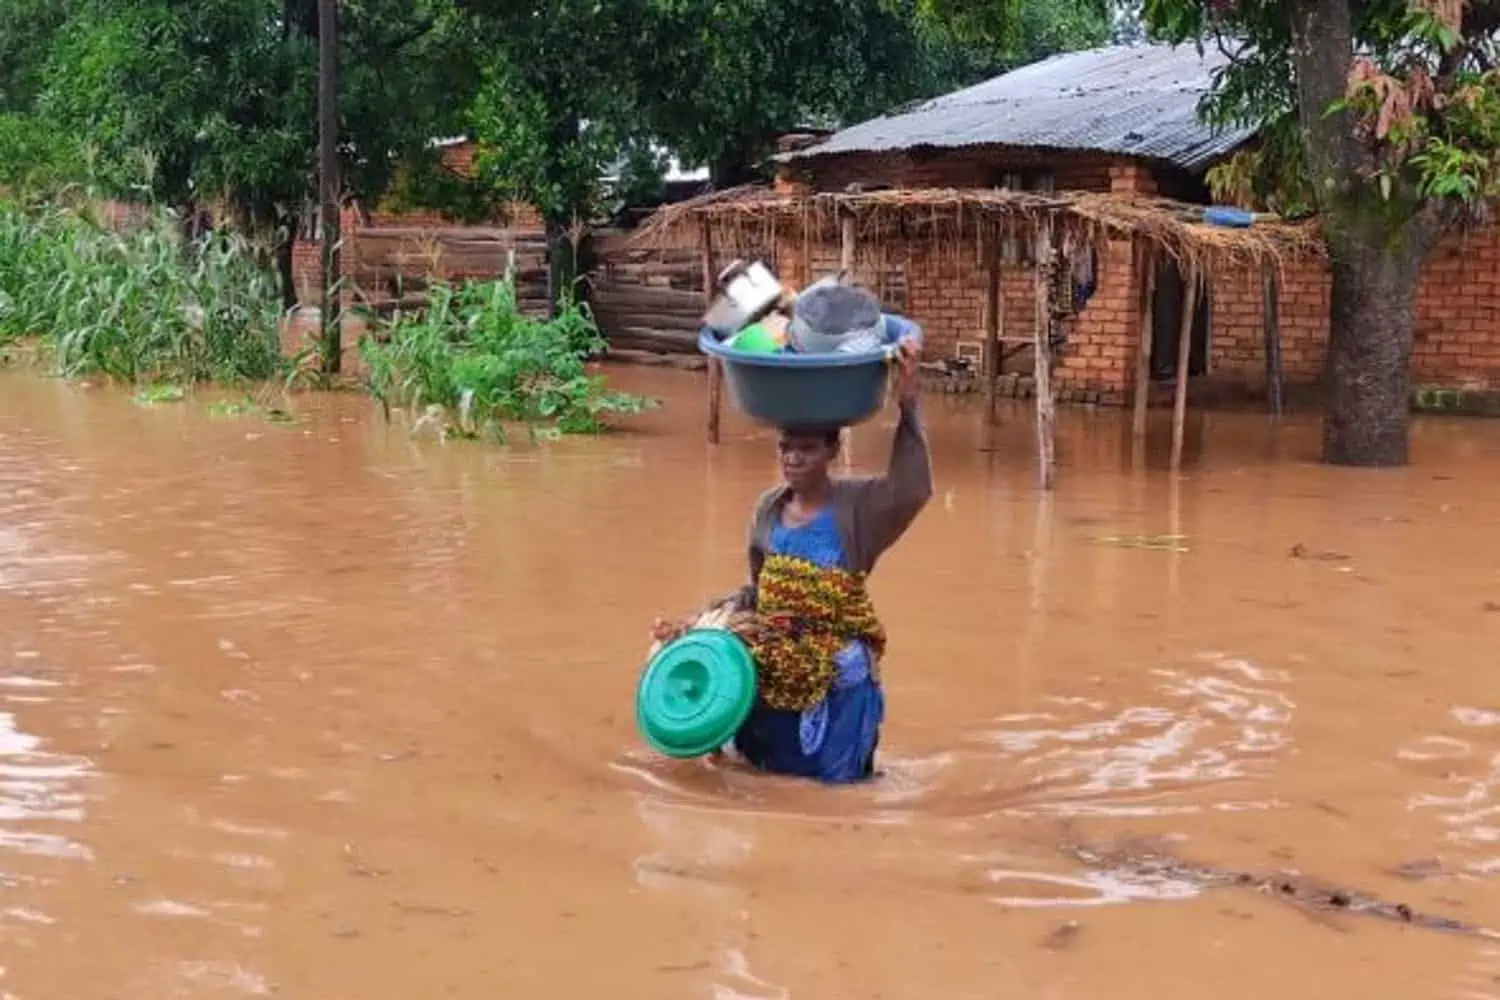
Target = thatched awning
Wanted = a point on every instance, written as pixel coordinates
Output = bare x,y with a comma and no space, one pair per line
752,216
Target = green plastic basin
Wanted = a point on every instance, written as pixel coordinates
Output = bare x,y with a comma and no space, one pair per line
696,693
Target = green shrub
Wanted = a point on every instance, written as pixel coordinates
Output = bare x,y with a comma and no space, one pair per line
139,303
473,362
37,157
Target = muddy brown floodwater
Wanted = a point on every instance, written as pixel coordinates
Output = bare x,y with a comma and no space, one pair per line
324,711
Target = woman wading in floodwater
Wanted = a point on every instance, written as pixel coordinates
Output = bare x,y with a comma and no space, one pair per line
808,619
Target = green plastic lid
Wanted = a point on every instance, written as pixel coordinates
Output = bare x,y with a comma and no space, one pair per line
755,338
695,693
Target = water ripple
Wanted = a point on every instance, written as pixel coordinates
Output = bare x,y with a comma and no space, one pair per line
38,786
1466,801
1224,720
1088,888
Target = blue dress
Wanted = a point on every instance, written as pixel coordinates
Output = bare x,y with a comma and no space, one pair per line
834,740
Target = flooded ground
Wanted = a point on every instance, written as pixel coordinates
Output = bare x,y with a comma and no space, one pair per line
321,711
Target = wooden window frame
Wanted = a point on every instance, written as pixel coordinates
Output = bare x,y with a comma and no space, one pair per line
1014,250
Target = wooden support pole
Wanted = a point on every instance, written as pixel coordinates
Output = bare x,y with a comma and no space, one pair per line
1184,356
1271,322
1145,334
805,263
1029,640
1174,560
330,187
993,321
1046,430
715,366
846,249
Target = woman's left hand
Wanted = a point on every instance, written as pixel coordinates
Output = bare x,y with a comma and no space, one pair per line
908,360
665,631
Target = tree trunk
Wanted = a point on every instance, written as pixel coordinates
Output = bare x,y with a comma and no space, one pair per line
734,166
1372,313
284,266
187,221
562,267
1375,244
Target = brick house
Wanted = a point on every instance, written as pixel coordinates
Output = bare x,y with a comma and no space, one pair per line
1123,119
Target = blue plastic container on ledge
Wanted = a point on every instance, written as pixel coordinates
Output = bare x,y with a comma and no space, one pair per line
809,390
1228,217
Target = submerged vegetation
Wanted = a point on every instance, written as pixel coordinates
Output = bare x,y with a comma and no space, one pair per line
137,303
141,304
471,362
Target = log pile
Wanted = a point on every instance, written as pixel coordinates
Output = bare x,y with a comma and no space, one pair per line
393,266
647,300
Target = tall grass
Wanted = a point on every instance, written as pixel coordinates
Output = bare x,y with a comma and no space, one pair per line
472,362
140,304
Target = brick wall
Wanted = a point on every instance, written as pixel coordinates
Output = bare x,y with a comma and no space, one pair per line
976,167
307,264
1236,338
306,271
1457,342
1102,336
944,286
1458,308
1458,313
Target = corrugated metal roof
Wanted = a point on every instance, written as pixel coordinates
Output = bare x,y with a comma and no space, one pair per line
1133,100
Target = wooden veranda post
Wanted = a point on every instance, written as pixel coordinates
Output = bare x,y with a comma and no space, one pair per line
846,247
1184,356
1046,442
992,324
715,368
805,264
1270,295
1146,255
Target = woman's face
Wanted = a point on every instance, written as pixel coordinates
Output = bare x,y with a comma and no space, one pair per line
805,458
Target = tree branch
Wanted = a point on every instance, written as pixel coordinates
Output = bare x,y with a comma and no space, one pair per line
1436,217
1223,47
414,34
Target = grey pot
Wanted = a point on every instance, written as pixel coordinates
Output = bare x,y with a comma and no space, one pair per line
830,317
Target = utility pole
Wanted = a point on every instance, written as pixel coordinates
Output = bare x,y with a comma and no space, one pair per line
328,183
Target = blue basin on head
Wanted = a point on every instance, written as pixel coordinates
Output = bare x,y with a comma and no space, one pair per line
809,390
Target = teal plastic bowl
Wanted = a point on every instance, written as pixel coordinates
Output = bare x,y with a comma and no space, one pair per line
791,389
696,693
